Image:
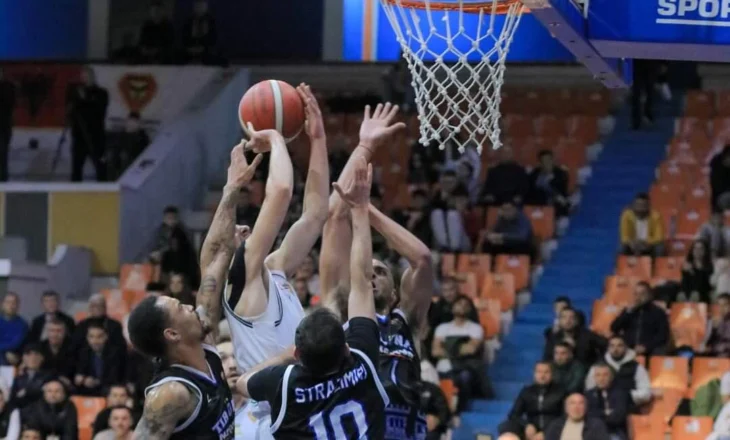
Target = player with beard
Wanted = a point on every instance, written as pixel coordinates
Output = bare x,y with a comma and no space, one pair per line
189,398
401,312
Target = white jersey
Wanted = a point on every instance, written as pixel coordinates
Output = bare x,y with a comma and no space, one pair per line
257,339
253,422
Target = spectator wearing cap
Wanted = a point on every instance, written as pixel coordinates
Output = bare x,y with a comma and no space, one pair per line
51,303
627,372
568,373
576,424
57,352
506,182
416,217
643,325
549,185
511,234
13,330
117,395
27,386
99,364
98,316
642,229
54,414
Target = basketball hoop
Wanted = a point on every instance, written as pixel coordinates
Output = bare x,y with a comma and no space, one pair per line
457,101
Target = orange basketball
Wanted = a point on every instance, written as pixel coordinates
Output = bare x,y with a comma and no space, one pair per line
275,105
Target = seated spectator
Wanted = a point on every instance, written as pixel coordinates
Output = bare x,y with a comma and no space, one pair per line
157,37
718,342
458,347
161,239
560,304
9,420
696,273
57,352
549,185
448,226
54,414
117,395
627,373
181,258
13,330
100,364
576,425
448,182
716,234
587,346
246,211
417,217
468,168
721,429
506,182
720,179
178,288
31,433
51,312
568,373
303,293
642,230
441,311
98,316
608,402
308,271
512,234
140,371
120,425
199,35
643,325
28,385
436,408
536,406
419,171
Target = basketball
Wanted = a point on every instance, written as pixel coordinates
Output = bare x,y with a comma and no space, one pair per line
275,105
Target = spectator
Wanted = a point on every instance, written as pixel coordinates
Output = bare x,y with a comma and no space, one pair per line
98,316
627,373
31,433
178,288
448,182
643,325
416,218
57,352
13,330
642,92
468,169
7,106
718,342
436,408
120,425
9,420
560,304
51,312
180,257
199,35
246,211
420,170
725,387
720,179
100,364
568,373
716,234
117,395
53,415
458,347
28,385
642,230
447,225
721,429
549,185
512,234
536,406
441,311
140,371
126,145
157,37
587,346
696,274
308,271
608,402
506,182
575,425
161,240
302,289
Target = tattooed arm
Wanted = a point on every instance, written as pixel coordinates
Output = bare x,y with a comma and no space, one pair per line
165,406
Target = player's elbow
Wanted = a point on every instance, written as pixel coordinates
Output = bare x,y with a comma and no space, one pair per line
423,259
280,191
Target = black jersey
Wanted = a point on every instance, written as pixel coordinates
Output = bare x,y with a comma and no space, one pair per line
214,415
347,404
399,367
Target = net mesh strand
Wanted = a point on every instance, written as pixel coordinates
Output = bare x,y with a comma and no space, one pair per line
457,102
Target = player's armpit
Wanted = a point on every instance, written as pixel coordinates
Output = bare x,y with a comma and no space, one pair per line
165,406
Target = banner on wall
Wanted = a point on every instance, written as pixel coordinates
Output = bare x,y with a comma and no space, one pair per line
157,93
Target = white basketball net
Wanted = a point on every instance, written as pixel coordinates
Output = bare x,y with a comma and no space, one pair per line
457,102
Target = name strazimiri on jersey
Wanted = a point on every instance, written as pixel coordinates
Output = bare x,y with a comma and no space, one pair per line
324,390
693,12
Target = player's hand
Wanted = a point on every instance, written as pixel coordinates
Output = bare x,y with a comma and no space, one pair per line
314,126
377,128
240,172
357,193
242,233
259,141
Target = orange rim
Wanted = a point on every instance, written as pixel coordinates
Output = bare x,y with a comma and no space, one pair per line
473,7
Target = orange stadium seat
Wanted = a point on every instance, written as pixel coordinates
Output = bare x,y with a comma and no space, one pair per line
133,297
81,315
668,268
448,264
116,305
644,428
697,198
705,369
619,289
518,266
583,128
467,283
518,126
478,264
669,372
689,324
542,219
722,101
663,407
550,126
449,390
700,103
688,125
135,276
500,286
87,409
691,428
604,313
689,221
665,195
489,314
678,247
630,266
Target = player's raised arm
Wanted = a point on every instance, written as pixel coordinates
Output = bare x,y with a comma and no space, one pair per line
304,232
334,268
357,195
417,281
218,246
164,407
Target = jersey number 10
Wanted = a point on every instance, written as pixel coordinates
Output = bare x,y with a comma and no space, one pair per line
318,422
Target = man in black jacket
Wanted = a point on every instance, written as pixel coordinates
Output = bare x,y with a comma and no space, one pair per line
609,403
27,386
643,325
575,425
506,182
51,311
54,415
100,364
536,406
549,185
57,352
97,314
588,346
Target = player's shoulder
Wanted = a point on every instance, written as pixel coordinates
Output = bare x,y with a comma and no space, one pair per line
171,395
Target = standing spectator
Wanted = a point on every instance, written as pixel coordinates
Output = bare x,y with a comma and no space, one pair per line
512,234
718,342
716,234
53,415
587,346
536,406
9,420
27,386
642,230
568,373
117,395
120,425
7,105
720,180
696,273
157,37
506,182
13,330
199,35
178,288
126,145
447,225
643,325
416,218
161,240
627,372
645,72
51,311
57,352
549,185
246,211
86,106
575,425
99,364
98,316
609,403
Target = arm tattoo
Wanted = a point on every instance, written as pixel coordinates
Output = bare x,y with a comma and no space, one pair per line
166,405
